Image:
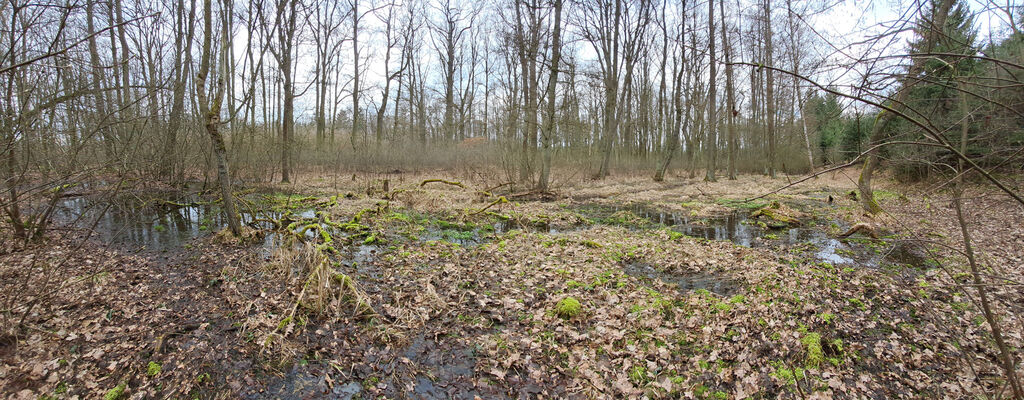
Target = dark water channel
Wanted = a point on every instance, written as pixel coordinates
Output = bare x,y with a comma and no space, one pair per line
739,228
686,281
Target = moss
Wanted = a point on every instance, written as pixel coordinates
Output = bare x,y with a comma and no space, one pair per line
358,217
325,236
571,284
568,307
815,355
787,375
153,369
454,234
371,382
397,216
605,278
284,323
742,204
326,248
777,215
116,393
591,244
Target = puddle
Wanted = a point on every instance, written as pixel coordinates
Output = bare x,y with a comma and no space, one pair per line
465,238
447,367
686,281
362,259
155,227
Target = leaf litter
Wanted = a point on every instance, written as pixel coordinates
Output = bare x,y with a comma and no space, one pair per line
659,314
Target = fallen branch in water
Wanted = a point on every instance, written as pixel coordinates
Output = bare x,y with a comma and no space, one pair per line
499,200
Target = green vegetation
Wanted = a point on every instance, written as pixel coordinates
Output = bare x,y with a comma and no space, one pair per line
117,393
638,374
568,307
787,375
371,382
153,369
742,204
812,345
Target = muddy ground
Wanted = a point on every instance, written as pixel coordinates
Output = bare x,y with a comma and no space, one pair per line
611,289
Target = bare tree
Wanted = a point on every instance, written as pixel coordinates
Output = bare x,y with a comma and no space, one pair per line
712,141
326,25
285,26
449,34
733,145
769,89
210,108
391,40
616,30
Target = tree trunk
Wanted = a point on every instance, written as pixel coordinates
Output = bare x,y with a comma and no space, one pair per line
355,73
712,138
730,96
549,117
211,110
769,90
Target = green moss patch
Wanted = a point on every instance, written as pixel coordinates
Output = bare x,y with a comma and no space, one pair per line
568,307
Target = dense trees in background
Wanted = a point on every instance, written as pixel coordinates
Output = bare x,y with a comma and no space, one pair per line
106,86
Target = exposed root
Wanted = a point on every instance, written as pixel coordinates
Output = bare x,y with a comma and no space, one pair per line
863,228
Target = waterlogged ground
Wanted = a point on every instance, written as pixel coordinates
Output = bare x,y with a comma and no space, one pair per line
623,288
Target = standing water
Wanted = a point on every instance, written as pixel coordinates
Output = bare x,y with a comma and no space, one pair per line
153,226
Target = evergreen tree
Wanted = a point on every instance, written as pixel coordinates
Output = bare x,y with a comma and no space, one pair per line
935,92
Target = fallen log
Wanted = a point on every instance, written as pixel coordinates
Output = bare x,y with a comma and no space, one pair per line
446,182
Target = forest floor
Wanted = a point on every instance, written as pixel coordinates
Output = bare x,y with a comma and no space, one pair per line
607,289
